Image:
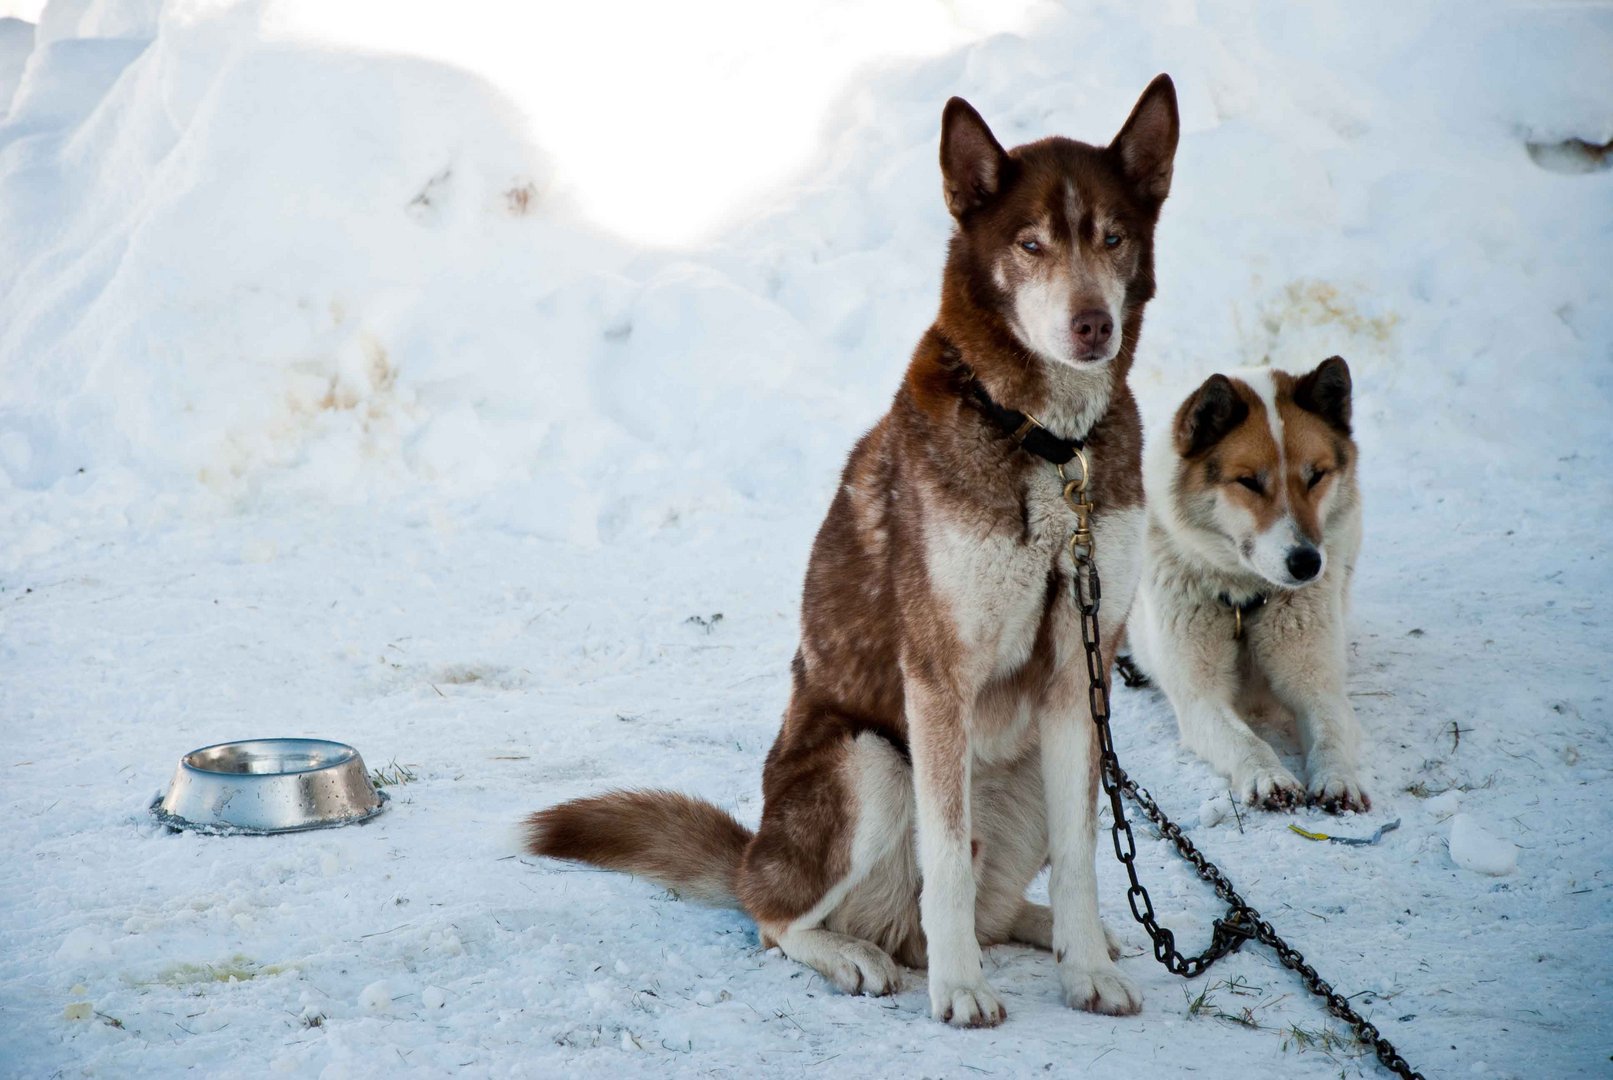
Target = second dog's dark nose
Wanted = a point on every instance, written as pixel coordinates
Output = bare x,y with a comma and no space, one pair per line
1092,329
1304,562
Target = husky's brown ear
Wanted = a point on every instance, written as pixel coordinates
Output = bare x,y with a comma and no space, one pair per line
1146,144
1326,392
1208,416
972,161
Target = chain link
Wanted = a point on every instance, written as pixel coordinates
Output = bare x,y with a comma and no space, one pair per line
1241,921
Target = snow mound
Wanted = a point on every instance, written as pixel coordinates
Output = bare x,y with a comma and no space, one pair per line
242,251
245,256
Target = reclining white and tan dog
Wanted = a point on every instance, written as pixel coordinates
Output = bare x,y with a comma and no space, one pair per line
1254,522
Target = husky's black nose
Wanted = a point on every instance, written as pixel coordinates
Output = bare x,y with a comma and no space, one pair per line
1092,329
1304,562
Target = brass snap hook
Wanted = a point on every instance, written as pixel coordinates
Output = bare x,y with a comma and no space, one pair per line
1080,483
1075,488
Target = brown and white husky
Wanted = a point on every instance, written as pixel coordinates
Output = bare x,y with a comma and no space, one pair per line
938,749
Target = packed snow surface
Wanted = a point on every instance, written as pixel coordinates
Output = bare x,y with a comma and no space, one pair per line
433,378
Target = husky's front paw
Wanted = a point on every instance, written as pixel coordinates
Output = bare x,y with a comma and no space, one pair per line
1337,790
863,968
970,1006
1270,786
1100,990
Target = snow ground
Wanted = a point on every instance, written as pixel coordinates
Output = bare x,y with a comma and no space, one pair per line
334,401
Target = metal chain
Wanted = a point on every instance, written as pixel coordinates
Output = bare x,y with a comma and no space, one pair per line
1241,921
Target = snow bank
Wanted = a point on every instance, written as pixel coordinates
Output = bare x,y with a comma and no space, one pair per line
245,256
227,248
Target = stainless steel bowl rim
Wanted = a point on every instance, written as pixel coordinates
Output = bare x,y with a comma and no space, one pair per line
343,753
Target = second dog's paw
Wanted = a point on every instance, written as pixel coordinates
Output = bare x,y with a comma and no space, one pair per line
1337,791
1270,786
1102,990
972,1006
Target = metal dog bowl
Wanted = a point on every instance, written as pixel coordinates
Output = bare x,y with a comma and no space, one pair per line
264,786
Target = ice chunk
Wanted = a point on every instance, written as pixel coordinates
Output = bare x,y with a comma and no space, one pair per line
376,997
1444,804
1475,848
1214,810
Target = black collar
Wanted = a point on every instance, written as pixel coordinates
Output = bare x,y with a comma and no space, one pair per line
1249,606
1024,429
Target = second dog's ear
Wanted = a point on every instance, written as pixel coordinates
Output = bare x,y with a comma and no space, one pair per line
1208,416
1147,143
1326,392
972,161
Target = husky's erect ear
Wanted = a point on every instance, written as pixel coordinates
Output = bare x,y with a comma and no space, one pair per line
972,161
1208,416
1146,144
1326,392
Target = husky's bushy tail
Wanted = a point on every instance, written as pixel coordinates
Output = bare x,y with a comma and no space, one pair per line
684,844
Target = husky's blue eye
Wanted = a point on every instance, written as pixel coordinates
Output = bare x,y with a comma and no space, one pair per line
1111,240
1031,246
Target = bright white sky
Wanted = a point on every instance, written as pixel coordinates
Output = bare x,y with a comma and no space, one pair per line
662,116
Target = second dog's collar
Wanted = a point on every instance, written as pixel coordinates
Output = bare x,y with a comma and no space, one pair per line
1242,611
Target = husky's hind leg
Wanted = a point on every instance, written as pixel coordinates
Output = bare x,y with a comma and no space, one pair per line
830,824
